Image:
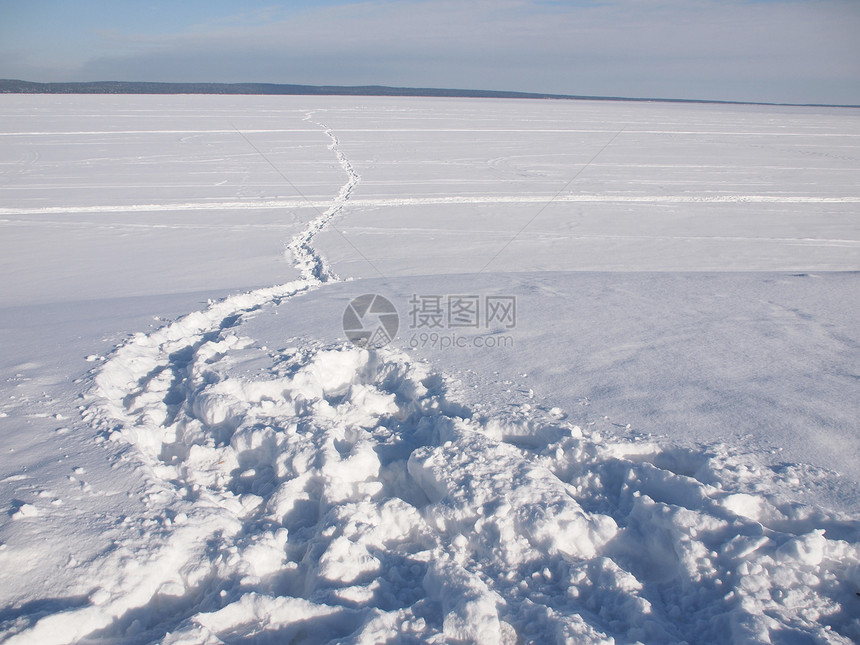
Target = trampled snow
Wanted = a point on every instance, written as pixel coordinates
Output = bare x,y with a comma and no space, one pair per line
658,444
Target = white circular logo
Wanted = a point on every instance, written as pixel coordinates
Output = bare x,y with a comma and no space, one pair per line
370,321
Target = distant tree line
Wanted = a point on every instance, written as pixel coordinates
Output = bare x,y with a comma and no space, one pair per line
10,86
121,87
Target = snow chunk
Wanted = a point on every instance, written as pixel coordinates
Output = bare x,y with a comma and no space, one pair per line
25,511
805,550
469,608
346,561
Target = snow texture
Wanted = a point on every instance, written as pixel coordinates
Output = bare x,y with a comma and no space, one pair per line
313,491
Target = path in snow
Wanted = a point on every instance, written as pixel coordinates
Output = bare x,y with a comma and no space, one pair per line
270,204
308,260
326,492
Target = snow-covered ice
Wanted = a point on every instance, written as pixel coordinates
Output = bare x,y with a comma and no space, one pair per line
661,447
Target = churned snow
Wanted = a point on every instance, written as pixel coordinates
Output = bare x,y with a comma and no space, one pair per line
661,447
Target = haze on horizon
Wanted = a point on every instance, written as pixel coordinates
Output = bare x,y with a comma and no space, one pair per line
784,51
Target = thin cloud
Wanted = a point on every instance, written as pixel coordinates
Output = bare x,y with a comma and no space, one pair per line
766,50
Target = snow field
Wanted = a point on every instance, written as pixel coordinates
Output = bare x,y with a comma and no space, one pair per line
613,187
318,492
352,494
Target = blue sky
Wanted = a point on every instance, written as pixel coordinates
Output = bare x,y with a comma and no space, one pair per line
757,50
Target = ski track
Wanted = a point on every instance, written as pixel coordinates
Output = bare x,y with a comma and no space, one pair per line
274,204
737,133
354,496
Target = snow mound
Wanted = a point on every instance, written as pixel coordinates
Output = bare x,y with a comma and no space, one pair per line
336,494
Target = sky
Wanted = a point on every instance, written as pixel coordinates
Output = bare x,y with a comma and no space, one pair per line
784,51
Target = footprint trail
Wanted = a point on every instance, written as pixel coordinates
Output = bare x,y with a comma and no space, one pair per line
336,494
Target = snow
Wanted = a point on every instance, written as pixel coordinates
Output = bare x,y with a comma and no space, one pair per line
661,447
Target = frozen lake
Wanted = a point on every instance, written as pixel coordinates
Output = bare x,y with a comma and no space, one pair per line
682,363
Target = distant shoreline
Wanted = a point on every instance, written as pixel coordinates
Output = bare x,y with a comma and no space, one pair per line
10,86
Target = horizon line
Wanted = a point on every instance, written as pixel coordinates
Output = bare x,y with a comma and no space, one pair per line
19,86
